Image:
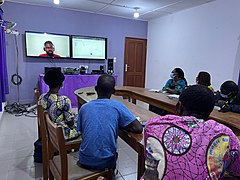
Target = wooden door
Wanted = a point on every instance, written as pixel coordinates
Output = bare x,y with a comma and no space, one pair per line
135,62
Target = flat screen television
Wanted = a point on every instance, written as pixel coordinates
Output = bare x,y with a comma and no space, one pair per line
47,45
86,47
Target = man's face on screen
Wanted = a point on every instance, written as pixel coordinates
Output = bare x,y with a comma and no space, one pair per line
49,48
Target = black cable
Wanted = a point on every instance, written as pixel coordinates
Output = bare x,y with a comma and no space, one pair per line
16,79
20,110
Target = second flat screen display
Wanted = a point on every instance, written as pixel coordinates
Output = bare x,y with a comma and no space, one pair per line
89,47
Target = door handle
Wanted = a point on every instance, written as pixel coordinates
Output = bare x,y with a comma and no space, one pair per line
126,67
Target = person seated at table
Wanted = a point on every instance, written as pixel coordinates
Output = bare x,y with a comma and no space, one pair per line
59,106
98,121
188,145
204,79
228,99
177,82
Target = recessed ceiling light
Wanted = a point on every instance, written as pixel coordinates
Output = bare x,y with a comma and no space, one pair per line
56,1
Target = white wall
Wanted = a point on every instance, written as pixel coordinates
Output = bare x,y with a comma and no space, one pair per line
201,38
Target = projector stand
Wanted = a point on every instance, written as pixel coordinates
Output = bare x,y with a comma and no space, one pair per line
16,107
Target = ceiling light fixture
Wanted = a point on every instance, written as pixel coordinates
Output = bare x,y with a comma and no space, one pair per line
136,13
56,1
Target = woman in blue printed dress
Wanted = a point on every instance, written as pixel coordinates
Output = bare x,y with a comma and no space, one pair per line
58,106
177,82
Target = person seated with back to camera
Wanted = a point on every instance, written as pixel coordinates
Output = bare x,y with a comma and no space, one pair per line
188,145
59,106
228,99
98,121
177,82
204,79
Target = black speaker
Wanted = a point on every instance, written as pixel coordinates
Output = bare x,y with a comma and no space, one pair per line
102,69
110,66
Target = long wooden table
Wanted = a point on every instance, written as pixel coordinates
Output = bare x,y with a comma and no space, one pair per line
160,100
135,141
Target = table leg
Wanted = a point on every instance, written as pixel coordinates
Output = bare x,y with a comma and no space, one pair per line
134,101
141,163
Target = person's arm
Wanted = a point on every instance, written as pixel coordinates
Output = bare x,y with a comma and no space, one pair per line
166,85
79,120
134,127
172,91
127,120
234,108
67,112
181,85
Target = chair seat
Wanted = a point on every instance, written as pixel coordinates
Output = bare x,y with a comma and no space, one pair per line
74,171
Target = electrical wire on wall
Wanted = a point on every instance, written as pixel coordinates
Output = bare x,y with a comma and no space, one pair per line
17,108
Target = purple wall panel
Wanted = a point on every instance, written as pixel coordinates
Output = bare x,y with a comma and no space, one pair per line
57,20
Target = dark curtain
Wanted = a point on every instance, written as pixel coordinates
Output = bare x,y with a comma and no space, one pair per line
239,79
3,65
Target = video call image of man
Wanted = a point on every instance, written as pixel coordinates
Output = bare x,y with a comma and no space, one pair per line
49,48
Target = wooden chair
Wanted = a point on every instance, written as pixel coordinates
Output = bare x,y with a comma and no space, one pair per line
64,166
37,94
42,134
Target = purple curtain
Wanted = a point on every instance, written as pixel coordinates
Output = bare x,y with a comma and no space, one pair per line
239,79
3,65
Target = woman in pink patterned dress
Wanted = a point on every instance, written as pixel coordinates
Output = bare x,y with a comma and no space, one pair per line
190,146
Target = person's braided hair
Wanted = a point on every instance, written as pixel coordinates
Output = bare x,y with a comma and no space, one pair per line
54,78
198,100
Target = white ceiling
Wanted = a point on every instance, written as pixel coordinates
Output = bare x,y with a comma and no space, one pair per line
148,9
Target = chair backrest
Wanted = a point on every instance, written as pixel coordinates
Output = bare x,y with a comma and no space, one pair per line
43,135
56,143
37,94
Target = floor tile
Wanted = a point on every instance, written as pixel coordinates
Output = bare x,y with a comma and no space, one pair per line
130,177
36,171
19,174
4,166
127,167
17,136
22,163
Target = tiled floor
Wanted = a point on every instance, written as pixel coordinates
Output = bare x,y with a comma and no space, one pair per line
17,135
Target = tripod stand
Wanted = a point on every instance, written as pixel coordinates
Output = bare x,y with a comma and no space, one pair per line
16,107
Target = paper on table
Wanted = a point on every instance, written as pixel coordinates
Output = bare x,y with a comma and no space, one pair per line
155,90
217,108
173,96
143,122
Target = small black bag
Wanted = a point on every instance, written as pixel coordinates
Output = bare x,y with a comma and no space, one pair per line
38,151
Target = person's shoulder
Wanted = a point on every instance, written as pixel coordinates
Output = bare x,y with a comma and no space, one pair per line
218,127
63,97
164,119
181,81
116,103
43,55
56,56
